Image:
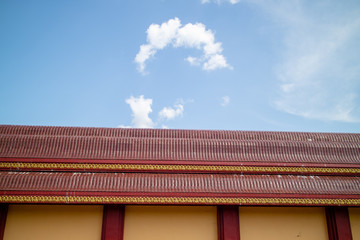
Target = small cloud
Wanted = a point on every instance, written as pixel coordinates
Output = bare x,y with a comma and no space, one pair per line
123,126
216,61
225,101
183,102
144,54
169,113
141,108
193,61
188,36
220,1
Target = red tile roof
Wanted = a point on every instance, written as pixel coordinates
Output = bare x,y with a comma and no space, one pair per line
157,166
186,184
178,145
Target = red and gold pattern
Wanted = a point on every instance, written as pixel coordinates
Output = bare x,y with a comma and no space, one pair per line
178,167
178,200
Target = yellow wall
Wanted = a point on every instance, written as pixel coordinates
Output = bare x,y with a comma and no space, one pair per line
55,222
282,223
354,214
170,222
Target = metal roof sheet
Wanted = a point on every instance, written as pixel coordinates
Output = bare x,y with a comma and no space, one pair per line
188,184
178,145
158,166
177,133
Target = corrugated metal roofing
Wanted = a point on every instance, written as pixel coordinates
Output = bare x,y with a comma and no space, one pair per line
173,133
179,183
187,145
33,158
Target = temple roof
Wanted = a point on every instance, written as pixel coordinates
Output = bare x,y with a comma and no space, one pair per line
161,166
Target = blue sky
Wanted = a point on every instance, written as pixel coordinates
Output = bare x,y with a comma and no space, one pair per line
272,65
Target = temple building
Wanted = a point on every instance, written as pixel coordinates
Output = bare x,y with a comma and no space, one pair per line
158,184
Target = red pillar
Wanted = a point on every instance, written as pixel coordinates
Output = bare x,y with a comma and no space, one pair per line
113,222
3,215
228,223
338,223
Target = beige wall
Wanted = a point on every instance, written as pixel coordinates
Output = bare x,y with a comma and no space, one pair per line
55,222
170,222
282,223
354,214
72,222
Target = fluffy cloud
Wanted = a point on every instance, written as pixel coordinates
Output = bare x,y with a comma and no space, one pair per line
189,36
169,113
225,101
141,108
216,61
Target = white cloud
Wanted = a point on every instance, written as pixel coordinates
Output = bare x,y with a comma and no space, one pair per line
220,1
320,68
215,61
169,113
141,108
146,51
193,61
316,80
225,101
123,126
189,36
160,36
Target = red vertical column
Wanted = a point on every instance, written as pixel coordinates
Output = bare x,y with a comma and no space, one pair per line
113,222
3,215
338,223
228,223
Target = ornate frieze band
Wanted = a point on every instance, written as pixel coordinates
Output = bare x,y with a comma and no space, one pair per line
178,200
174,167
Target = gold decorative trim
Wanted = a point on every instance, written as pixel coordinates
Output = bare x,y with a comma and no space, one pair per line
172,167
177,200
